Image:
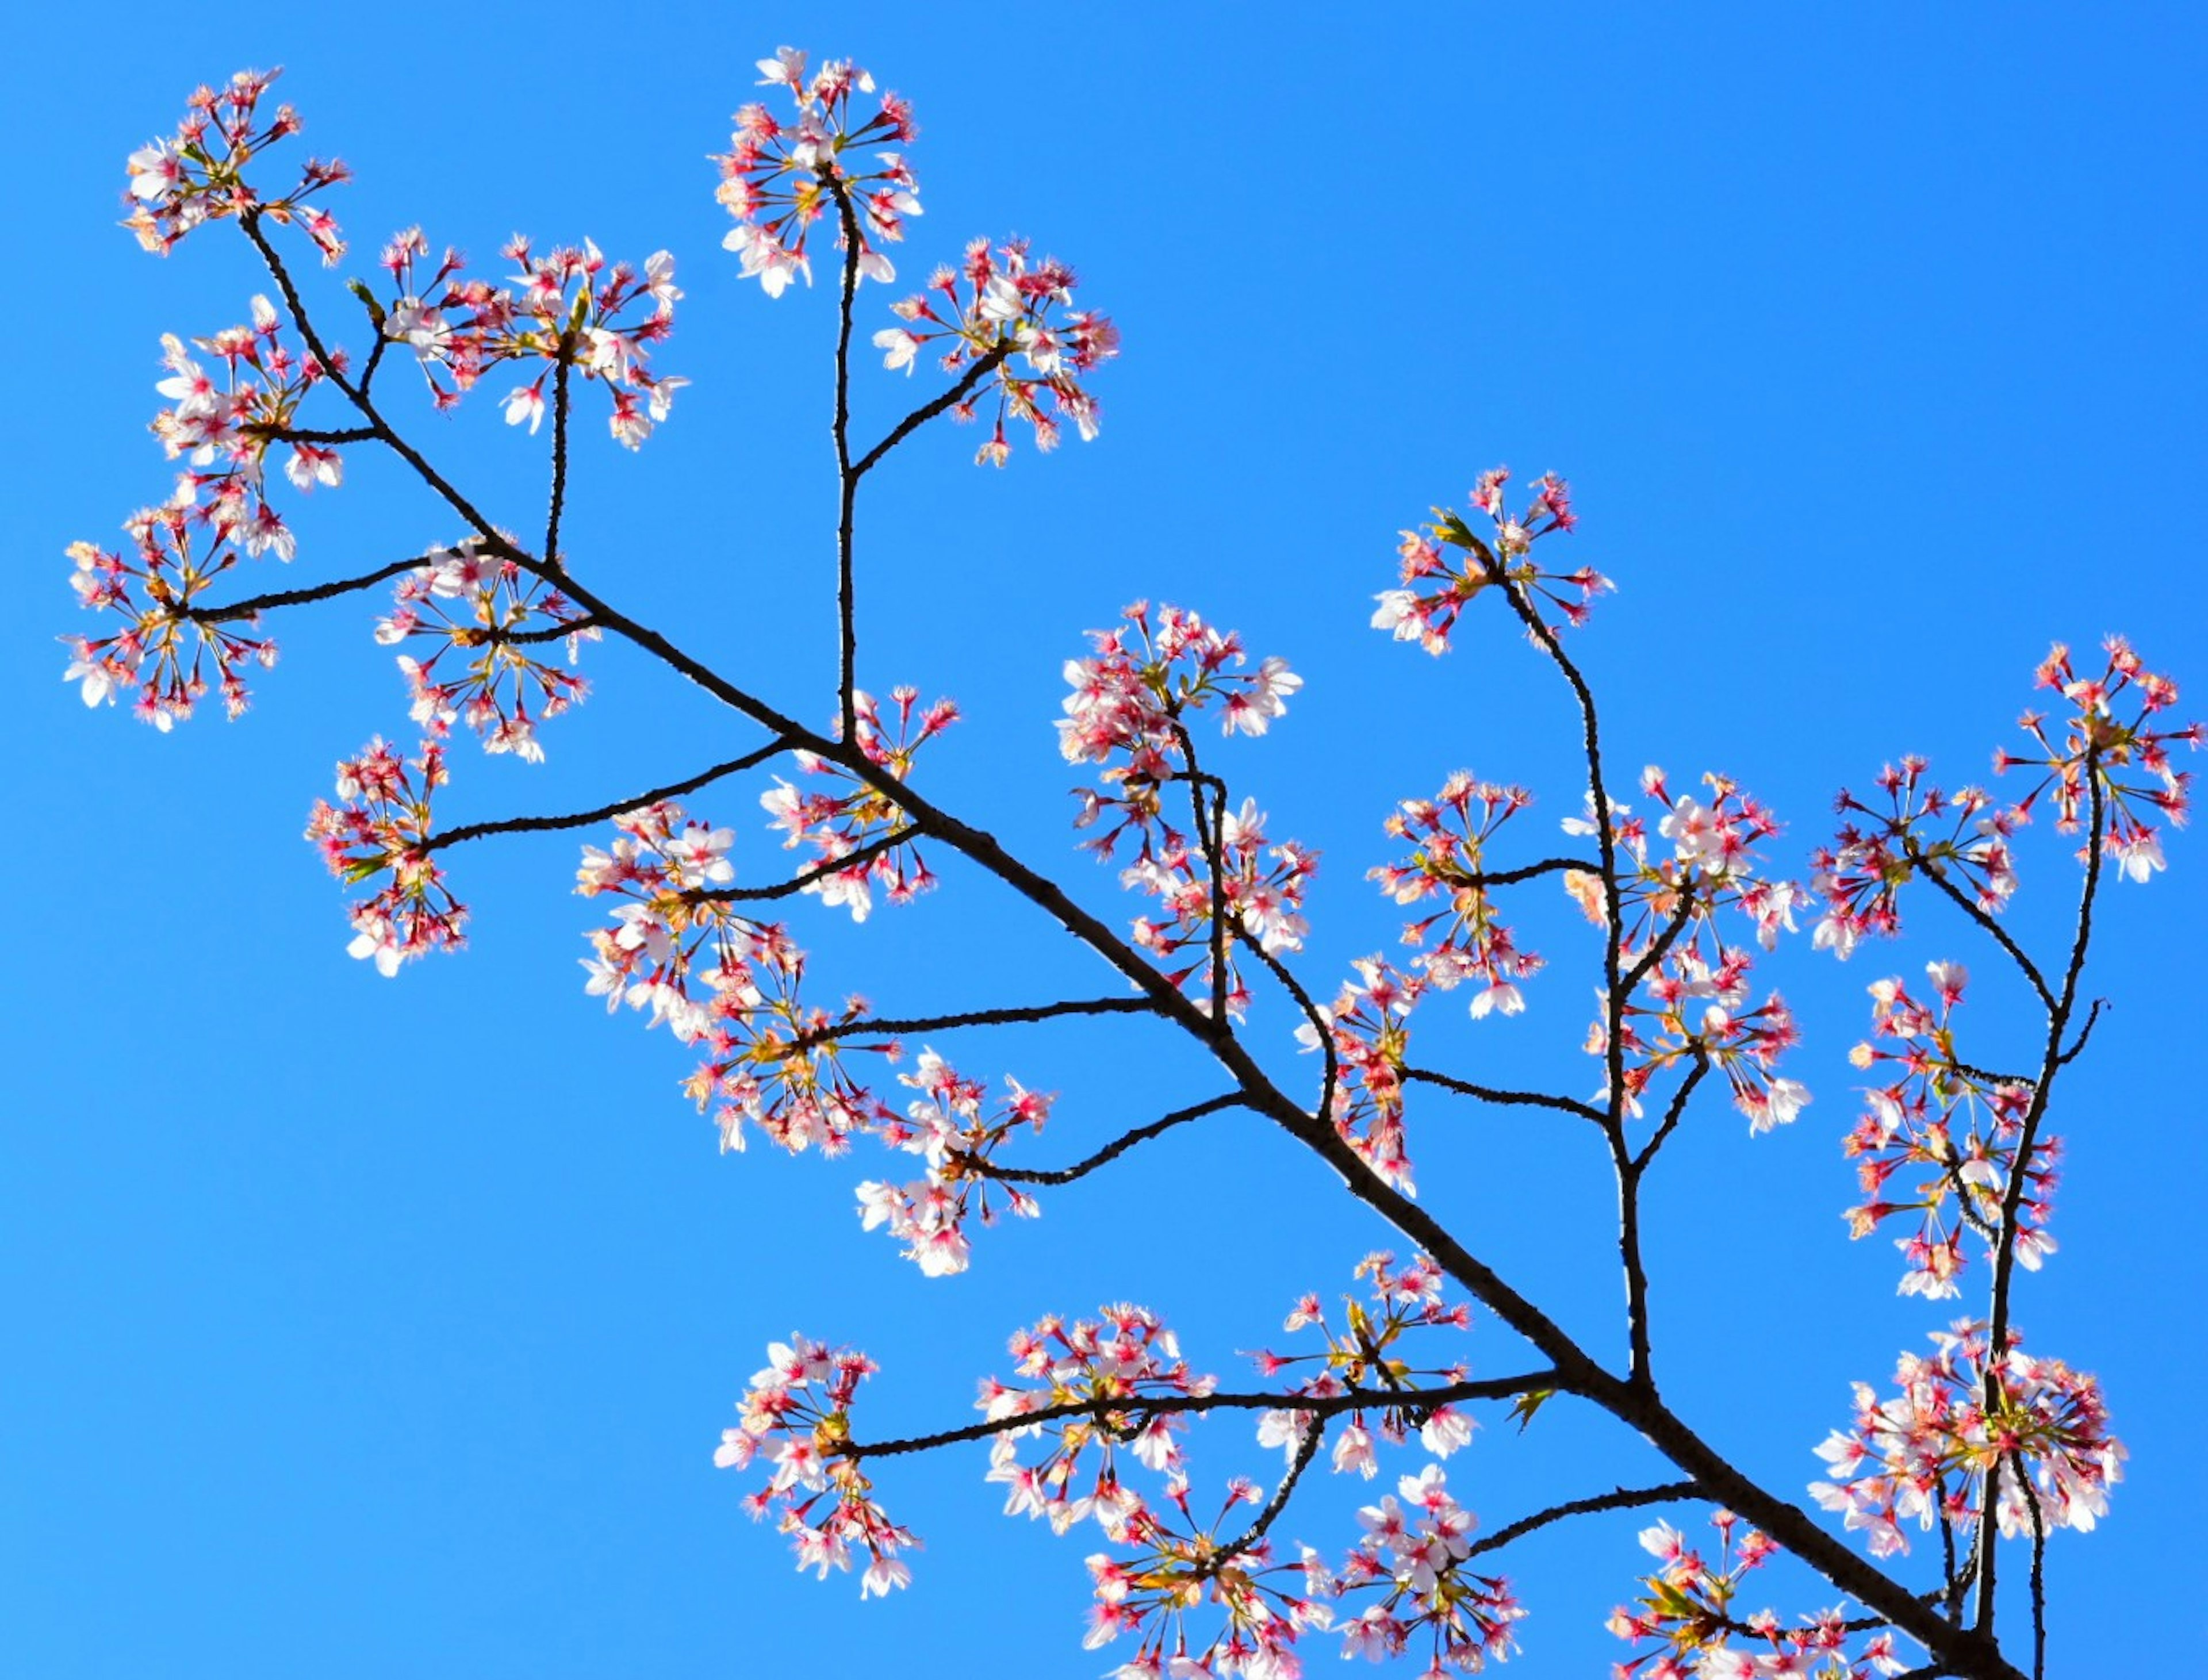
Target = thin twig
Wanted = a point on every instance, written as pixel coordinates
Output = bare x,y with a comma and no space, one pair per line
1449,1081
453,836
1011,1015
976,371
1618,1500
253,606
1111,1151
1146,1406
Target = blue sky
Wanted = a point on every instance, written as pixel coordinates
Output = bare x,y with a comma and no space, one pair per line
372,1328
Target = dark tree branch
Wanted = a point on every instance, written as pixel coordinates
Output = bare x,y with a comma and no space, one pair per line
253,606
1111,1151
1618,1500
1306,1450
857,858
1449,1081
1015,1014
976,371
453,836
1984,918
847,606
1674,1111
563,362
1144,1408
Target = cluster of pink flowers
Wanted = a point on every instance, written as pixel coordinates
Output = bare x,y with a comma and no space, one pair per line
380,828
1125,1354
2034,1429
1362,1354
1695,980
1449,864
1367,1028
1128,711
797,1422
573,310
999,302
1965,837
1436,590
1958,1127
163,648
1414,1554
1171,1560
952,1128
1690,1611
502,611
678,947
858,820
224,428
199,174
778,179
2096,736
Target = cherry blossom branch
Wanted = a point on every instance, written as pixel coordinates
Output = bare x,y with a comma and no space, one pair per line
847,607
2078,1045
811,875
248,222
1984,918
1012,1015
1306,1450
1449,1081
2060,1009
453,836
977,370
1547,865
1674,1111
1576,1371
1147,1407
1330,1073
253,606
563,364
1599,799
302,434
1111,1151
1619,1499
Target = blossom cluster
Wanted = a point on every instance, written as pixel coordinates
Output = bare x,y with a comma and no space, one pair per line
1414,1554
2108,737
167,643
678,947
780,178
574,313
797,1423
1965,837
999,303
223,426
1689,1610
1367,1030
1101,1371
858,822
1436,589
382,826
1129,710
486,615
1451,833
1956,1128
198,175
1694,979
1362,1354
2034,1430
2111,744
952,1128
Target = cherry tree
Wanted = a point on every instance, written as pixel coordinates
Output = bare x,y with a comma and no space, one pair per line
1927,1495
